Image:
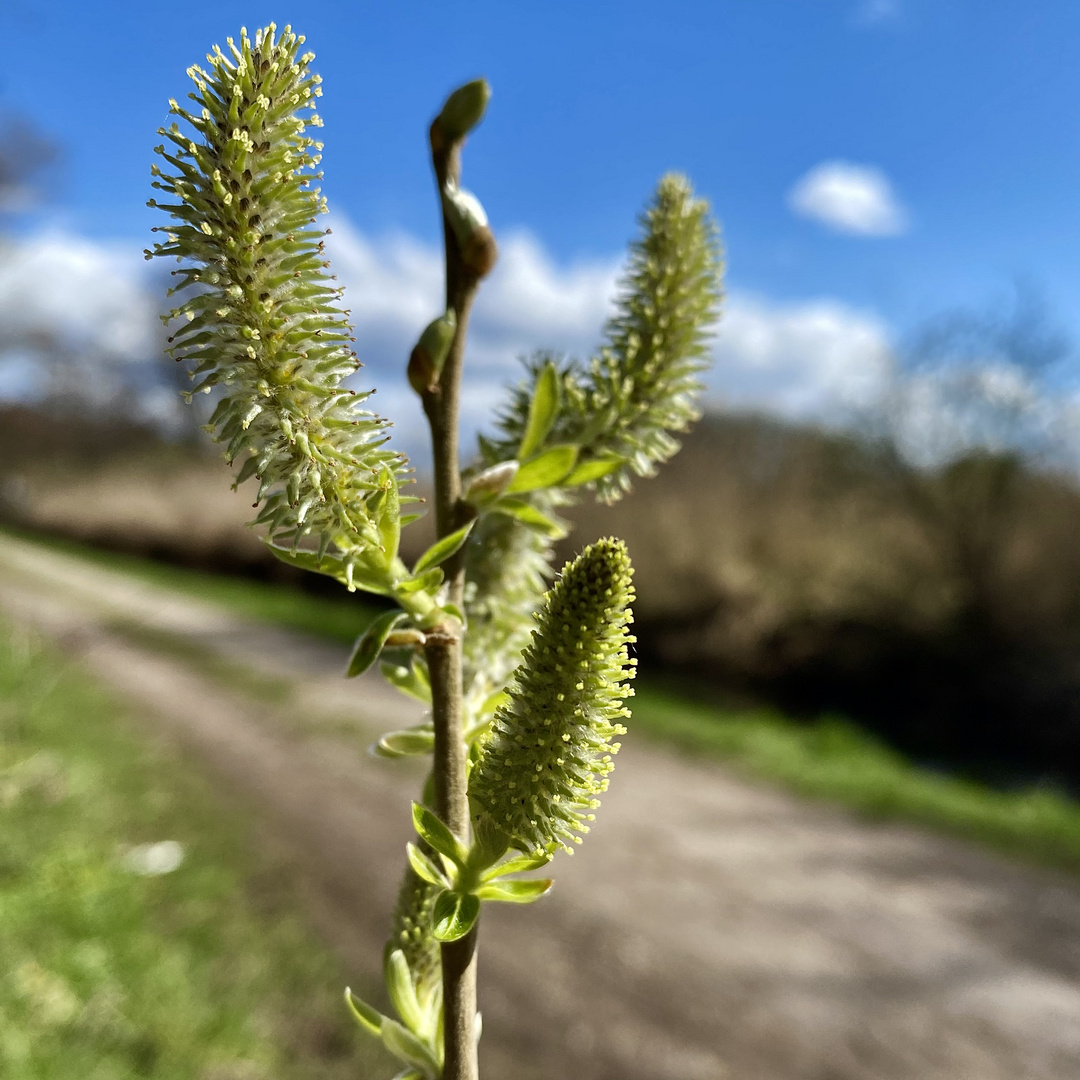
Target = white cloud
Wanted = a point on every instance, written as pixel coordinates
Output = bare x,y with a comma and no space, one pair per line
816,359
808,359
394,287
78,293
877,12
850,198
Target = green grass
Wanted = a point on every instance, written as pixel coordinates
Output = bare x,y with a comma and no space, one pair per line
204,973
828,759
833,759
193,653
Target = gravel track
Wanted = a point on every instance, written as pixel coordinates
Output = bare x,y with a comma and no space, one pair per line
709,928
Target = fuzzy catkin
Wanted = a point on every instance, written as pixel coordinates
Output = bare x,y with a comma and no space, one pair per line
260,316
657,341
507,572
508,564
411,933
629,402
548,752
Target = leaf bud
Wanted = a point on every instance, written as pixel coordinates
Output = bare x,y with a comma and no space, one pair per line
481,252
404,639
464,211
469,223
463,110
429,355
491,482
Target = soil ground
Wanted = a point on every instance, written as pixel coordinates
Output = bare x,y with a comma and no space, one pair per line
709,927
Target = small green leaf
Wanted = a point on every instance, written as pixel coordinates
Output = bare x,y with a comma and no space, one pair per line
456,612
427,582
475,730
408,519
310,560
442,549
519,864
389,520
515,892
543,409
530,515
430,828
454,915
588,471
371,641
412,680
407,742
544,470
367,1017
489,843
425,867
493,701
334,566
406,1047
491,482
399,986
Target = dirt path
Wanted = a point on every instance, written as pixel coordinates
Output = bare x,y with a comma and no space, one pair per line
710,928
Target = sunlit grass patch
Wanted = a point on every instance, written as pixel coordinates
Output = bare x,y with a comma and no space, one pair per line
120,959
832,758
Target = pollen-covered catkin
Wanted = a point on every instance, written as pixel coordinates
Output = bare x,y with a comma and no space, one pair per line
549,750
629,403
657,340
260,316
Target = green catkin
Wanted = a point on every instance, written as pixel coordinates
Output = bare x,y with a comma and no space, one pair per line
630,401
657,341
260,317
508,564
507,571
411,933
548,752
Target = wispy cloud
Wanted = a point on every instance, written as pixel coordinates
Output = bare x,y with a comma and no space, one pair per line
809,359
76,293
817,359
877,12
394,288
855,199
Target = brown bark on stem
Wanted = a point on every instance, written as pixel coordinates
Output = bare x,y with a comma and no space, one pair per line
441,404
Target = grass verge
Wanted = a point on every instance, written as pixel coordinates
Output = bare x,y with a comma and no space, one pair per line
829,759
109,973
833,759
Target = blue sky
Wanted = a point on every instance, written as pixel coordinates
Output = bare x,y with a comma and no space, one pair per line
960,118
